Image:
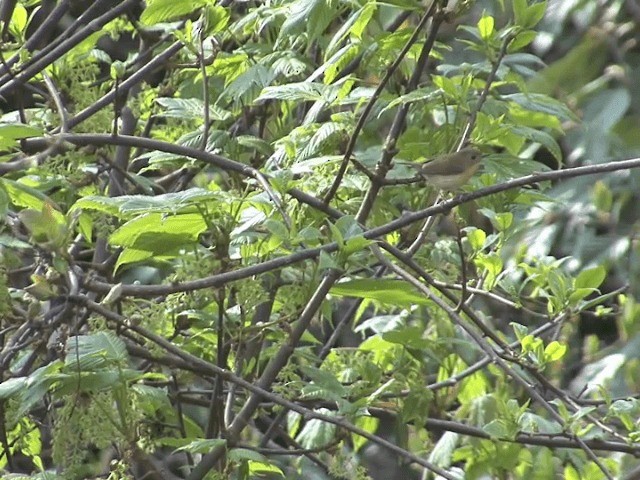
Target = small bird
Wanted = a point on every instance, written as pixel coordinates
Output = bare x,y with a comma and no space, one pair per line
452,170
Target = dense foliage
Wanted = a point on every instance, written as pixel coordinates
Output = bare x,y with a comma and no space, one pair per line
217,259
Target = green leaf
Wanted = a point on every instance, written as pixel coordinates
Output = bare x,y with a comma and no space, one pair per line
262,469
200,445
554,351
11,242
131,255
17,131
502,221
255,143
24,196
409,337
570,473
576,68
105,345
366,13
519,11
535,424
326,262
520,330
473,387
355,25
476,238
534,14
117,70
537,102
88,381
162,10
46,225
160,233
323,134
216,19
591,277
348,227
18,21
580,294
38,384
485,27
492,265
521,40
368,424
11,386
355,244
248,84
312,16
496,429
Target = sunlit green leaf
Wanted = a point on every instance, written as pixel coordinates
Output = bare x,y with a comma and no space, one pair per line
162,10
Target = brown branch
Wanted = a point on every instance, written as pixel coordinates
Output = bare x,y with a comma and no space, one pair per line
374,233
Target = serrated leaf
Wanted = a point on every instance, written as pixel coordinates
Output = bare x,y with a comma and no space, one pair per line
96,349
127,205
303,92
249,84
190,109
325,132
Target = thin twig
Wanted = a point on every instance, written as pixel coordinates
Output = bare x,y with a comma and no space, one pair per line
55,95
463,271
